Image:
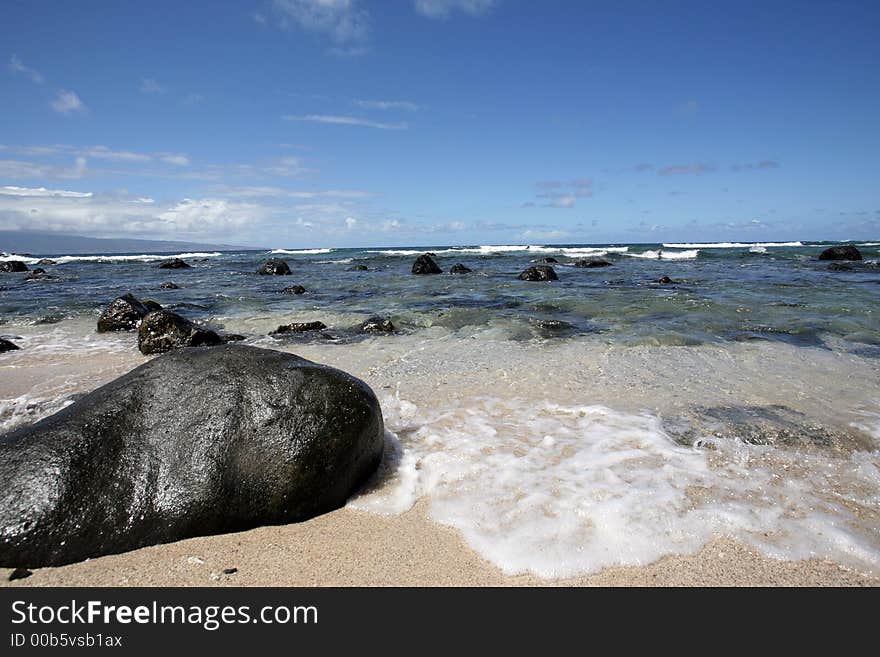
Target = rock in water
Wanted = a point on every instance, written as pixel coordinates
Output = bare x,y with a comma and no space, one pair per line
377,325
6,345
163,330
665,280
174,263
13,266
836,266
274,267
424,264
193,443
358,268
123,314
170,285
592,263
460,269
299,327
539,273
47,261
39,274
547,261
294,289
847,252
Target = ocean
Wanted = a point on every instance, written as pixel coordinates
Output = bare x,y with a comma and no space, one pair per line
603,419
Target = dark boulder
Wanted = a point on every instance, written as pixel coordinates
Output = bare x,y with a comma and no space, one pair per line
174,263
294,289
547,261
195,442
539,273
163,330
274,267
13,266
836,266
592,263
377,325
232,337
123,314
152,305
47,262
359,268
6,345
665,280
169,285
299,327
847,252
424,264
460,269
19,573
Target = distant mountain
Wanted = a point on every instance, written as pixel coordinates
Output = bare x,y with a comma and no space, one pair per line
55,244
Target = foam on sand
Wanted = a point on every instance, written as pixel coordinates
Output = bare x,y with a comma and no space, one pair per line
560,491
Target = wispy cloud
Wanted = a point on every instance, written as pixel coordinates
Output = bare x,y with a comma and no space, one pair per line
756,166
192,99
387,105
345,120
18,67
689,108
150,86
561,194
67,102
10,190
343,21
686,169
443,8
280,192
22,170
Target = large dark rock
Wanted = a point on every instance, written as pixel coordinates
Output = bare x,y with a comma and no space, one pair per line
274,267
123,314
460,269
294,289
174,263
539,273
847,252
592,263
196,442
425,264
163,330
6,345
299,327
377,325
13,266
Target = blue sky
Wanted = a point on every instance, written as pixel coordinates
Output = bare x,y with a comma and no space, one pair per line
302,123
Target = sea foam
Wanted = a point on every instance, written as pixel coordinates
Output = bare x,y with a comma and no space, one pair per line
728,245
146,257
561,491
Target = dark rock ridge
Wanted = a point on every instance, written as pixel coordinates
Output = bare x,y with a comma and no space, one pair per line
274,267
169,285
13,266
46,262
39,274
193,443
539,273
359,268
847,252
547,261
294,289
377,325
123,314
163,330
152,305
6,345
460,269
174,263
592,263
424,264
299,327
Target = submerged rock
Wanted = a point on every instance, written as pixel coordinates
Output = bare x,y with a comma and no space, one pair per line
123,314
163,330
195,442
169,285
299,327
539,273
424,264
6,345
665,280
40,274
13,266
547,261
174,263
294,289
460,269
274,267
377,325
847,252
592,263
836,266
47,262
358,268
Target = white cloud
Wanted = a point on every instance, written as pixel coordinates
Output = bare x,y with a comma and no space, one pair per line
387,105
192,99
207,215
150,86
345,120
104,153
443,8
247,191
350,223
17,66
10,190
544,235
341,20
67,102
177,159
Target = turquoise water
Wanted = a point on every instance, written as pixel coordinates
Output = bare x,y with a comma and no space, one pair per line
737,293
